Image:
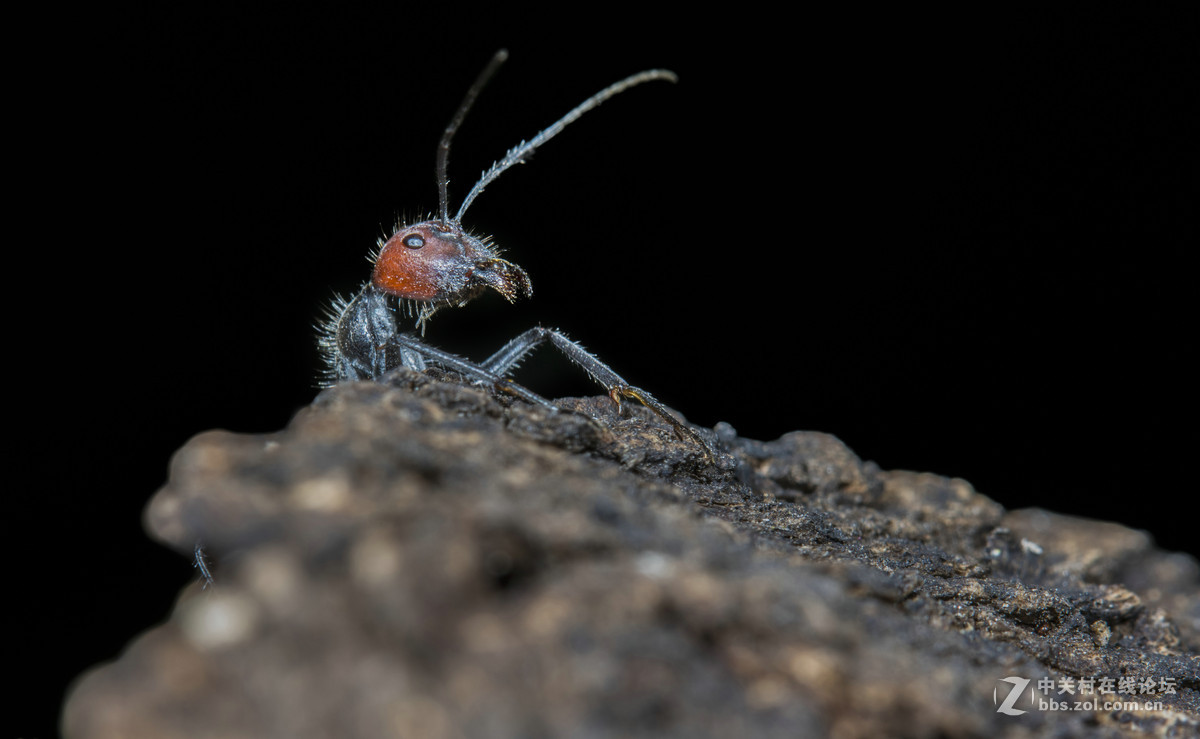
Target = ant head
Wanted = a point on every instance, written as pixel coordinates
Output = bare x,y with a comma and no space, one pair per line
437,262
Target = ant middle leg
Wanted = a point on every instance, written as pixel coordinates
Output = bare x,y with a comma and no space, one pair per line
511,354
467,368
423,354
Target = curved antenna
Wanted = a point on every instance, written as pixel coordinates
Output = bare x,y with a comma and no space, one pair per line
443,153
522,150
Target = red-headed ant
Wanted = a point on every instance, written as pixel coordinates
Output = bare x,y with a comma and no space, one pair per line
435,264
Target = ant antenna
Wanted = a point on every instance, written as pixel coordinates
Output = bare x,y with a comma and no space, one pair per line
443,153
521,151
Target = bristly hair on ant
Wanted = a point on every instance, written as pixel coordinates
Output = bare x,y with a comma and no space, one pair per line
434,264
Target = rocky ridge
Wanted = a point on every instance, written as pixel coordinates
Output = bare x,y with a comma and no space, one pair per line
421,558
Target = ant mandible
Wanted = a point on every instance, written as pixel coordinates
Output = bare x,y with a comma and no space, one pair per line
434,264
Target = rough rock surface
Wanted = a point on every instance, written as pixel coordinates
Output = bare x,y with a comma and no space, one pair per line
422,559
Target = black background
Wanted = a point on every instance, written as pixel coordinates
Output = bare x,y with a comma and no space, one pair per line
956,242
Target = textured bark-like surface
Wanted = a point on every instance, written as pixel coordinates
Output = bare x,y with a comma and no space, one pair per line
418,558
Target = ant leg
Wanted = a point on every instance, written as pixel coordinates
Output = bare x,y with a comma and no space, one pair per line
411,344
470,369
510,355
505,360
201,564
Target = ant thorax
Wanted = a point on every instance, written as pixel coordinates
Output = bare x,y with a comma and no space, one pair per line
435,264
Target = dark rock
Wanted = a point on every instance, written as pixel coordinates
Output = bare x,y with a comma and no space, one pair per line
423,559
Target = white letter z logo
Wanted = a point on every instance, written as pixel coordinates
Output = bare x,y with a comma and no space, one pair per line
1006,707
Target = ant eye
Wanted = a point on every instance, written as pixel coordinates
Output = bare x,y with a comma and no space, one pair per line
414,241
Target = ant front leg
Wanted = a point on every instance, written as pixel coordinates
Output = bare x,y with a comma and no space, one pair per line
511,354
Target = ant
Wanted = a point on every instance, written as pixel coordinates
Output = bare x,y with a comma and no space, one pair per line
436,264
201,563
